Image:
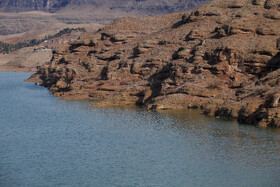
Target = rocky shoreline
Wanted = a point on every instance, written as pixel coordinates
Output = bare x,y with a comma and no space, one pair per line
222,57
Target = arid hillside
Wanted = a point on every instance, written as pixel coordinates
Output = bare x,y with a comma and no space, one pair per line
222,57
26,51
17,16
146,6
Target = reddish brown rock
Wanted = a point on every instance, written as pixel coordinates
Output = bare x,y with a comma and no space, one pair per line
222,57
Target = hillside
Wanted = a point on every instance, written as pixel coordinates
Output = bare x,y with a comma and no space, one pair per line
24,15
48,30
222,57
26,51
146,6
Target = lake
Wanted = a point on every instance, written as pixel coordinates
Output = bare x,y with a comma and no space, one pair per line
48,142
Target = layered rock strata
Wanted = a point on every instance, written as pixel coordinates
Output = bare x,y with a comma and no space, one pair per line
222,57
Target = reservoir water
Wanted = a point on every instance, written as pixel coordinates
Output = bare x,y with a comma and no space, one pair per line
48,142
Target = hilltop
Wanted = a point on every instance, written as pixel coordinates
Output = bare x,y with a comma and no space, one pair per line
222,57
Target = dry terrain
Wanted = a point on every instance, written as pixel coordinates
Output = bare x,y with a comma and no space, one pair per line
222,57
27,59
25,20
17,16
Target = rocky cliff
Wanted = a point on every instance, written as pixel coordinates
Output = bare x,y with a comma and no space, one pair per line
222,57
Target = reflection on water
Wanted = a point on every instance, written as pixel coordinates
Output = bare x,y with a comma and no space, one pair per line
46,142
229,137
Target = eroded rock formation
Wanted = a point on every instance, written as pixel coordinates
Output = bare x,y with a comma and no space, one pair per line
222,57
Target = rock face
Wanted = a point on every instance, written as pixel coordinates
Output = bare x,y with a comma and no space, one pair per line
222,57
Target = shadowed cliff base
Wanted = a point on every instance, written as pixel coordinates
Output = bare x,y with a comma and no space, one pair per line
222,57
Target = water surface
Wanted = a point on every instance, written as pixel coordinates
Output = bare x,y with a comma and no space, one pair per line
47,142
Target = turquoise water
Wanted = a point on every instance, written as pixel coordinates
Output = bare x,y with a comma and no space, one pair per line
47,142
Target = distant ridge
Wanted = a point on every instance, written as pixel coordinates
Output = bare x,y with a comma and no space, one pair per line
151,7
40,13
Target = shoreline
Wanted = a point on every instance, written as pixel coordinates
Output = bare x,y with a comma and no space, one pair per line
207,106
105,103
195,59
5,68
